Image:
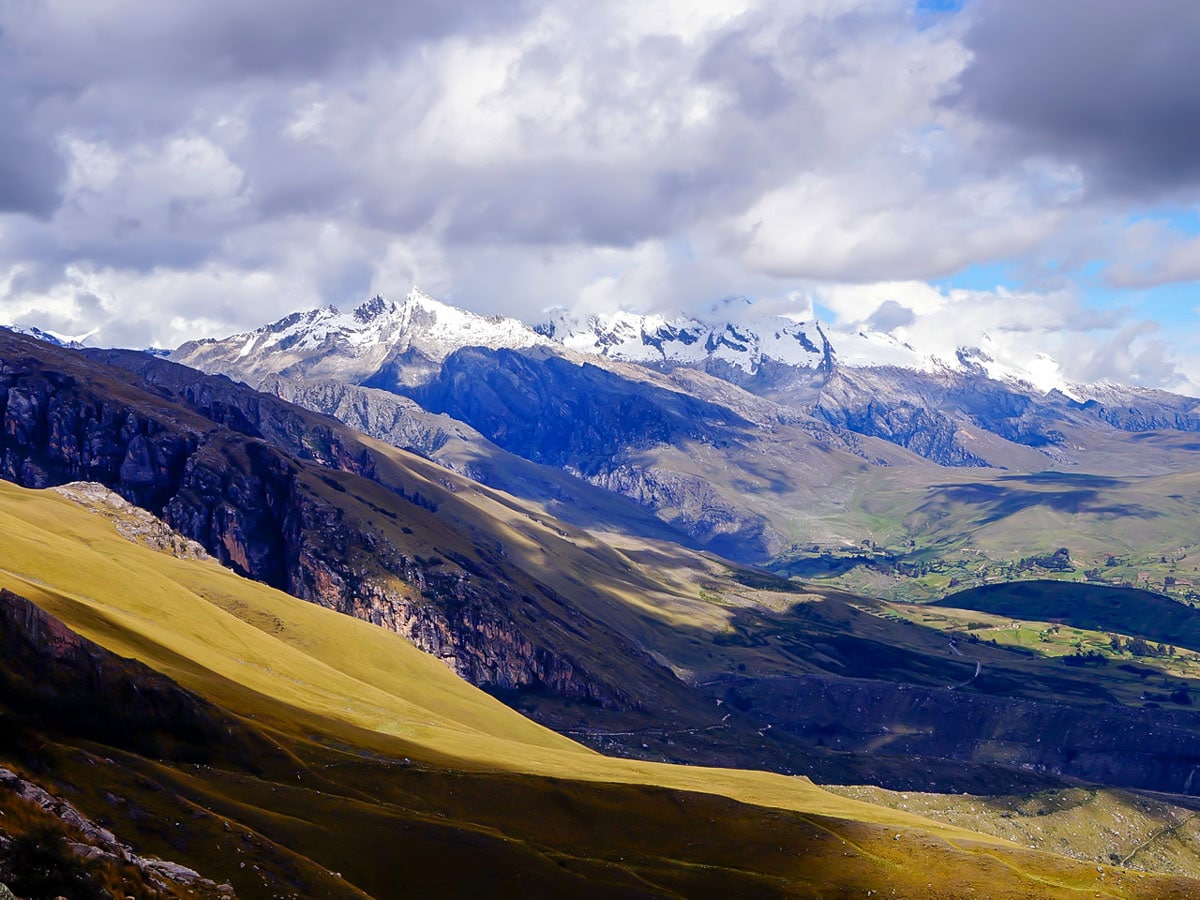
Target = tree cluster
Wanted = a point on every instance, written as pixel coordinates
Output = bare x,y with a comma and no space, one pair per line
1091,658
1137,646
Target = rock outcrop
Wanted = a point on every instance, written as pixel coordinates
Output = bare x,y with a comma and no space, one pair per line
692,505
245,475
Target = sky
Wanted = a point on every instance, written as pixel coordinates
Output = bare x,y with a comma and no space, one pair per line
939,170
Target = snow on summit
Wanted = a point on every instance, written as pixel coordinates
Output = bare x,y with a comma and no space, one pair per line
731,339
352,345
732,335
418,319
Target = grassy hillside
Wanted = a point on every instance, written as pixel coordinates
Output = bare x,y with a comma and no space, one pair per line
1094,824
1125,611
911,534
403,778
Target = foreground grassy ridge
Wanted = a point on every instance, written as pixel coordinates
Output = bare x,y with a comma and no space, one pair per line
485,785
1137,831
243,643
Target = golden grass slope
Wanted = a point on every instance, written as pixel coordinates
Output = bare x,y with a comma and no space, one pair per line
1148,832
225,637
268,656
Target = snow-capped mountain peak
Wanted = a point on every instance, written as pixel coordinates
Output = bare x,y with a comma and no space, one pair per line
683,340
49,337
407,337
355,344
418,319
734,340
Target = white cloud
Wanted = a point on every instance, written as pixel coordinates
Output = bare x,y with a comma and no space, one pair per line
223,165
1151,252
1051,337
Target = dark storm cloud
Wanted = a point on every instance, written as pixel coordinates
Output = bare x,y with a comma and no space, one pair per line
32,172
238,38
125,70
1112,85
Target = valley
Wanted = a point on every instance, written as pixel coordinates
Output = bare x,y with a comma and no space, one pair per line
709,577
622,450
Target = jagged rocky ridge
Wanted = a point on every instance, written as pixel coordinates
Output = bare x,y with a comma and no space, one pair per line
767,393
251,479
94,844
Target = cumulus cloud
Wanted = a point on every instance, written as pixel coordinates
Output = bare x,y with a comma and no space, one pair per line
201,167
1050,338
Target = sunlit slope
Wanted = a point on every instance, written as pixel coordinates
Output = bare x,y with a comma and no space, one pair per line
221,634
261,652
297,667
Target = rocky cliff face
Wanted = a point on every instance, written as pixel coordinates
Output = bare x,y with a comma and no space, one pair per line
49,441
694,507
389,417
241,473
552,410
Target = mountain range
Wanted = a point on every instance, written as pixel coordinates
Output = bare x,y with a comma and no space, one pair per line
687,542
747,438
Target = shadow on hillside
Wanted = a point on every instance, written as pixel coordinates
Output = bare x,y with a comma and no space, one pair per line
999,502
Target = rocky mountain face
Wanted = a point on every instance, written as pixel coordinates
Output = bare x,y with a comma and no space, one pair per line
295,500
604,428
521,419
871,384
653,408
554,411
